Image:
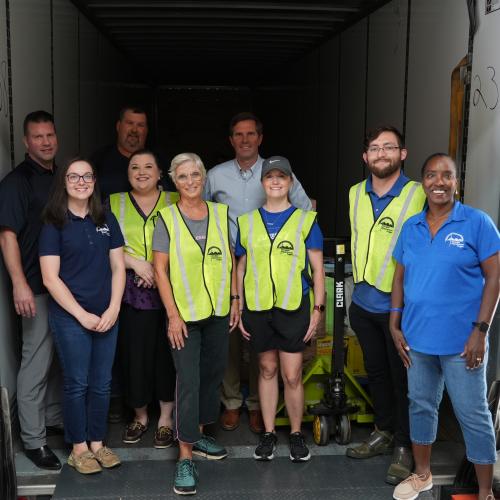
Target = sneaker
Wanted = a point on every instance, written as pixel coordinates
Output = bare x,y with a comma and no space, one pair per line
401,465
186,476
164,437
133,432
299,452
267,445
208,448
411,487
85,463
107,458
379,443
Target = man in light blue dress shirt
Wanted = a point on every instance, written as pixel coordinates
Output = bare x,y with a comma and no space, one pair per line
237,184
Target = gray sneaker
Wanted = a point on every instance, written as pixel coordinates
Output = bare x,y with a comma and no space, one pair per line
379,443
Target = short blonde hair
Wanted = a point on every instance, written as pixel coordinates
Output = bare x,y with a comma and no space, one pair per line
183,158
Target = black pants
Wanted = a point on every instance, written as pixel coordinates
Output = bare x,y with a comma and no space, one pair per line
146,362
386,373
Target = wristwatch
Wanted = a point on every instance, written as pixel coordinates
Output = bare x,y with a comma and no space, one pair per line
319,307
482,326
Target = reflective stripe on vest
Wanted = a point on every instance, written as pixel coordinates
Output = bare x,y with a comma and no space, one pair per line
200,281
373,242
273,275
137,232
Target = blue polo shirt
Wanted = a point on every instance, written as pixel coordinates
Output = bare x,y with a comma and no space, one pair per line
274,222
83,249
443,280
367,296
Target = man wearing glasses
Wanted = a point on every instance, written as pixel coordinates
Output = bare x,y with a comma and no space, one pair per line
23,195
378,207
237,183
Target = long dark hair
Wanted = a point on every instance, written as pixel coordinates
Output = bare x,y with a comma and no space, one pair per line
56,210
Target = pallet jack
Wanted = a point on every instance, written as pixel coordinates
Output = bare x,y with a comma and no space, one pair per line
332,394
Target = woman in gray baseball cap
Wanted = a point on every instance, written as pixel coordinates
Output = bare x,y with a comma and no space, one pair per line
278,245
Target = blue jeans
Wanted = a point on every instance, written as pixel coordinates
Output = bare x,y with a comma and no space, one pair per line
86,359
427,376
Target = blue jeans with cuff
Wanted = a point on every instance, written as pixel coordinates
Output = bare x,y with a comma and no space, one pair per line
427,376
86,359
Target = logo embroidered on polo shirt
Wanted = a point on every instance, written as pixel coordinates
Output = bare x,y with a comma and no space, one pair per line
386,224
455,240
104,230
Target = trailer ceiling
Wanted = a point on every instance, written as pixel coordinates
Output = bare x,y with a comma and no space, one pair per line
228,42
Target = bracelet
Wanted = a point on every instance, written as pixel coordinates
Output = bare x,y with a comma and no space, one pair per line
234,297
396,309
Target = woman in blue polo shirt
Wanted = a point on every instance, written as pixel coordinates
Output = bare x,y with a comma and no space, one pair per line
444,295
275,245
81,258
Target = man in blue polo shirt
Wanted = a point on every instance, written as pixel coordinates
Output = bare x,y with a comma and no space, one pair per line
378,207
23,195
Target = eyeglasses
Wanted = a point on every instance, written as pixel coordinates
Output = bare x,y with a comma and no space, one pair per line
75,178
182,178
389,148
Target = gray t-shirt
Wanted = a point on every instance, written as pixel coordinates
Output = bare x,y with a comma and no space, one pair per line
161,238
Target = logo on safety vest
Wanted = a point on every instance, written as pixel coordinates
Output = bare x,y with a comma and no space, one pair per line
455,240
386,224
286,247
215,253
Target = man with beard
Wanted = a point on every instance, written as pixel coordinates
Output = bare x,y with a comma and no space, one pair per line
111,162
378,207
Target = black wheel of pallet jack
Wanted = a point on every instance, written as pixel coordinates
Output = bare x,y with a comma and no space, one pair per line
321,430
343,433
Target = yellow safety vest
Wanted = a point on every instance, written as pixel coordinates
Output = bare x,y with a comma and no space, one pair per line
372,242
201,281
137,232
273,274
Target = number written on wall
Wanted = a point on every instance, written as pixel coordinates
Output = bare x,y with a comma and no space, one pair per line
485,91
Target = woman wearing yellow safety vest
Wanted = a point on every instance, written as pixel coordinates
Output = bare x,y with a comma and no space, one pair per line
277,245
196,278
146,362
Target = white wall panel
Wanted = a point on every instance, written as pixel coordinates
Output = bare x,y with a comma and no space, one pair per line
482,180
9,355
438,41
31,62
66,82
386,65
351,118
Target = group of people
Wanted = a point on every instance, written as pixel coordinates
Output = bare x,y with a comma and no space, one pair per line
178,282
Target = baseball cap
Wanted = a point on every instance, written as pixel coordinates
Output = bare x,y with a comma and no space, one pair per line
276,163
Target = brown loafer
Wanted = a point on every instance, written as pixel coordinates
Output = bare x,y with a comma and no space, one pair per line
107,458
86,463
255,421
230,419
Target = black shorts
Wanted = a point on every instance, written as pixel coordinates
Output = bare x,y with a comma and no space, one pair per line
277,328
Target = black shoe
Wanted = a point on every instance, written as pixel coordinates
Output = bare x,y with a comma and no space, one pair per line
299,452
44,458
267,445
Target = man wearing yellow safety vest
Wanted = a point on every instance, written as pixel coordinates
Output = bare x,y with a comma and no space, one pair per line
378,207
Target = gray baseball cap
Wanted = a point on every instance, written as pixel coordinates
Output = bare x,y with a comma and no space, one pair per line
276,163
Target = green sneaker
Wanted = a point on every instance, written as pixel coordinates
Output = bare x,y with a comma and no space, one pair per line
186,476
208,448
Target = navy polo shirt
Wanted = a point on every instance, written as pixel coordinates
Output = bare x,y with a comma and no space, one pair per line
84,249
24,192
443,280
367,296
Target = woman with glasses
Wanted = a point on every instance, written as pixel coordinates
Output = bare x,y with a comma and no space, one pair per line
146,363
194,272
81,258
444,295
278,245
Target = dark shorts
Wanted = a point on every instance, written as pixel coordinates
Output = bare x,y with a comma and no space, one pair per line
278,329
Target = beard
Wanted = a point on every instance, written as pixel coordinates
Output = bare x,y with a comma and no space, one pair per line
385,171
